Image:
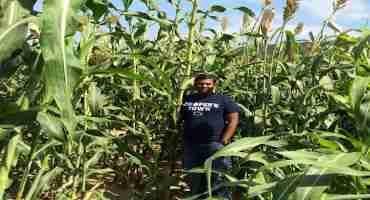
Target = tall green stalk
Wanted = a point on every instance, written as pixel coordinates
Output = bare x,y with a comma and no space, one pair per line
189,55
265,94
136,93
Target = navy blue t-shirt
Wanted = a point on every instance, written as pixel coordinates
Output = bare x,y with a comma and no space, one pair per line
205,117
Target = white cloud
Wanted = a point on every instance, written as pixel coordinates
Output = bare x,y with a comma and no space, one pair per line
355,10
316,8
353,15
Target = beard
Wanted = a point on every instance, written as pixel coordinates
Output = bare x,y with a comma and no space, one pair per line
205,90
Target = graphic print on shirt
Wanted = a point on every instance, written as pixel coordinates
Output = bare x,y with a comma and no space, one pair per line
199,108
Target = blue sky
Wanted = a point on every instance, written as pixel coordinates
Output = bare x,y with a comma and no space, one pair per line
311,12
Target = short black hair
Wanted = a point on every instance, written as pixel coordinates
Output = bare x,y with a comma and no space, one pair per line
203,76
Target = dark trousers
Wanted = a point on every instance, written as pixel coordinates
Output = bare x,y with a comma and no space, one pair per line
194,156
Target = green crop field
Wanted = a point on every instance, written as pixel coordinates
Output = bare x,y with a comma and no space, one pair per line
89,102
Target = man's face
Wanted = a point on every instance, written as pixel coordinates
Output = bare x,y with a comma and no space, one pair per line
204,86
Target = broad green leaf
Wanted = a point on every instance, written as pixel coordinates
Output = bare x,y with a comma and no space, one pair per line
345,196
357,92
143,15
362,45
246,10
14,18
285,187
275,93
257,157
341,100
233,149
260,189
243,144
345,159
345,39
338,163
60,70
217,8
315,181
52,126
301,155
291,187
8,160
328,143
315,189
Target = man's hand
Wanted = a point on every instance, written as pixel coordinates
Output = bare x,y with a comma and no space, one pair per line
233,121
225,141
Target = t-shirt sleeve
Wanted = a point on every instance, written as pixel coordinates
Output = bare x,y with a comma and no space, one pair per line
182,111
230,105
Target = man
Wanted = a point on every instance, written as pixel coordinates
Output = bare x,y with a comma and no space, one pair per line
210,121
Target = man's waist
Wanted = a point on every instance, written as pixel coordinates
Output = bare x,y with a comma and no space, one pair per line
201,141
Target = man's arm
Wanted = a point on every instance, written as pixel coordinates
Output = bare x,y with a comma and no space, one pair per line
233,121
